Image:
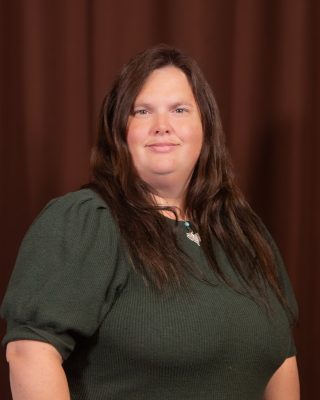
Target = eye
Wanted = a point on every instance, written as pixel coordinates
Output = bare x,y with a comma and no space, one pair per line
141,111
180,110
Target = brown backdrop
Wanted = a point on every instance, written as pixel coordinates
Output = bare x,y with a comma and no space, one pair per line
262,59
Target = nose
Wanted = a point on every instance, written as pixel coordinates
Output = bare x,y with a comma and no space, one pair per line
161,125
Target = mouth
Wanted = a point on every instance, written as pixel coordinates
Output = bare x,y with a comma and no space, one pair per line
162,147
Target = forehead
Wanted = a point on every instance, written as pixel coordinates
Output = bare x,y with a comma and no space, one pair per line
166,81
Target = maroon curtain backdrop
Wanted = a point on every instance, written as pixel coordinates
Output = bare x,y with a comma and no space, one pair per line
59,57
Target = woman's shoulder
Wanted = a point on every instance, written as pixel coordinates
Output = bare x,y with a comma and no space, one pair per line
75,208
82,197
77,220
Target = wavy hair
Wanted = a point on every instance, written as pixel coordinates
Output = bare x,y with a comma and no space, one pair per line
213,202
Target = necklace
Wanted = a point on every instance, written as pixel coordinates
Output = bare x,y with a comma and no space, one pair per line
193,236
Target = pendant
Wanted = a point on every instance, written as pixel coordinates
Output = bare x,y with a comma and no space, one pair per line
194,237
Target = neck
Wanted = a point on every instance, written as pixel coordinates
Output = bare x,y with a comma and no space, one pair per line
171,201
170,192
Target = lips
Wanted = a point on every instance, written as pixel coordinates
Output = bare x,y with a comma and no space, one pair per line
162,147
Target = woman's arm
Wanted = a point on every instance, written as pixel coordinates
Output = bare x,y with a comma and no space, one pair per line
36,371
284,383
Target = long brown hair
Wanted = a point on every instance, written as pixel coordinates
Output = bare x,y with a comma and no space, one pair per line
214,203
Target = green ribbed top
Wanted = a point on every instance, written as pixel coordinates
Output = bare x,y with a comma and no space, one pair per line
73,287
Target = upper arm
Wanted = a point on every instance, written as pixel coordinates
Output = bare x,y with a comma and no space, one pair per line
36,371
29,349
284,383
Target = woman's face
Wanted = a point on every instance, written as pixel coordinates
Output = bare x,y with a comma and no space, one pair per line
164,131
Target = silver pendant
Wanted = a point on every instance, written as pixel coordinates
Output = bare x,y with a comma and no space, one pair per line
194,237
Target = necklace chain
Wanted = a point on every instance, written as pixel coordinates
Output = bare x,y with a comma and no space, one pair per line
193,236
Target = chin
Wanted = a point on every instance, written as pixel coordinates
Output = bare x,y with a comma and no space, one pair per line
161,169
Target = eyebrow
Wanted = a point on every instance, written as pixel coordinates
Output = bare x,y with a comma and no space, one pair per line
173,105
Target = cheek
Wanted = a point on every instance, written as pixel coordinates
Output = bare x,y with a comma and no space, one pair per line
194,135
136,134
132,137
135,140
196,141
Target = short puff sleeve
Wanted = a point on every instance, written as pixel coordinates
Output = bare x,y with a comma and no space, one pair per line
287,290
66,274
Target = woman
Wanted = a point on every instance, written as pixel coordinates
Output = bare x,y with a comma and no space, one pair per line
157,280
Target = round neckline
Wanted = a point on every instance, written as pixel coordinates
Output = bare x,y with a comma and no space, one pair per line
175,221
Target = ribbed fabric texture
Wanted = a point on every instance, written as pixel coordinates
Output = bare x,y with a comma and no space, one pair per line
73,287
